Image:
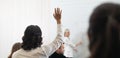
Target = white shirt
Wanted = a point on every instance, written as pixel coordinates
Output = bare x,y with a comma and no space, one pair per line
69,46
43,51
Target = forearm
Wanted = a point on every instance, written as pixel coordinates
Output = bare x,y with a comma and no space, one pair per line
59,30
58,40
70,44
51,48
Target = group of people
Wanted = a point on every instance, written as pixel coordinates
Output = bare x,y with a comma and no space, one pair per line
103,34
32,41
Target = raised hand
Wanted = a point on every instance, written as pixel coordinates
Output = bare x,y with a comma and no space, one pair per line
57,15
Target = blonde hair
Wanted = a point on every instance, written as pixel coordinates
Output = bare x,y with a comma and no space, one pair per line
67,30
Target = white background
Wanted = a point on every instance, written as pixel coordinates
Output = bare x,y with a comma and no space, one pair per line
16,15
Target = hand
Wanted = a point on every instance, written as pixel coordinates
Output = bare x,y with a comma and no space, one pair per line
75,49
57,15
79,43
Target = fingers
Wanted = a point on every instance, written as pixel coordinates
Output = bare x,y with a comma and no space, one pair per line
55,10
58,11
54,15
61,12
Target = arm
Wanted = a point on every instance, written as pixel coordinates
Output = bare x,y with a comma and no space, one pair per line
68,42
51,48
73,46
79,43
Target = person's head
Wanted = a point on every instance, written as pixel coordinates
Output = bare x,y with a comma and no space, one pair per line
32,37
60,50
104,31
15,47
66,33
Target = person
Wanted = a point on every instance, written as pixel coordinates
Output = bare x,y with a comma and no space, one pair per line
104,31
15,47
32,41
69,46
59,53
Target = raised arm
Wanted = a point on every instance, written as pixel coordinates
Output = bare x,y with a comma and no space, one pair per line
57,15
51,48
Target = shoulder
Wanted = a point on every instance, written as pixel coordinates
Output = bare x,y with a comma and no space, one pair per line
15,54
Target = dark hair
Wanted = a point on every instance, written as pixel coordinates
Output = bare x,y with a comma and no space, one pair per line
32,37
104,31
15,47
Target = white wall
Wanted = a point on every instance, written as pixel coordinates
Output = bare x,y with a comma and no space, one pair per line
75,17
16,15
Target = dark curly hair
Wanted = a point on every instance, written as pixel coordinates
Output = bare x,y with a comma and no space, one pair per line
32,37
104,31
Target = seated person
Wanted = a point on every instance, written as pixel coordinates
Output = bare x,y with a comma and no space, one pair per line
59,53
32,41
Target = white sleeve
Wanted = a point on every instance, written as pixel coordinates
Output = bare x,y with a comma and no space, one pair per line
71,44
52,47
68,42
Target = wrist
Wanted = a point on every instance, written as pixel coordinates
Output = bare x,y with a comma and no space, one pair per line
59,22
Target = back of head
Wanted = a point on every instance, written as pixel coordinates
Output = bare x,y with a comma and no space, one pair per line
104,31
15,47
32,37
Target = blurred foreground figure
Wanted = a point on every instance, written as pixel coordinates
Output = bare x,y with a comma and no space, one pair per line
104,31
